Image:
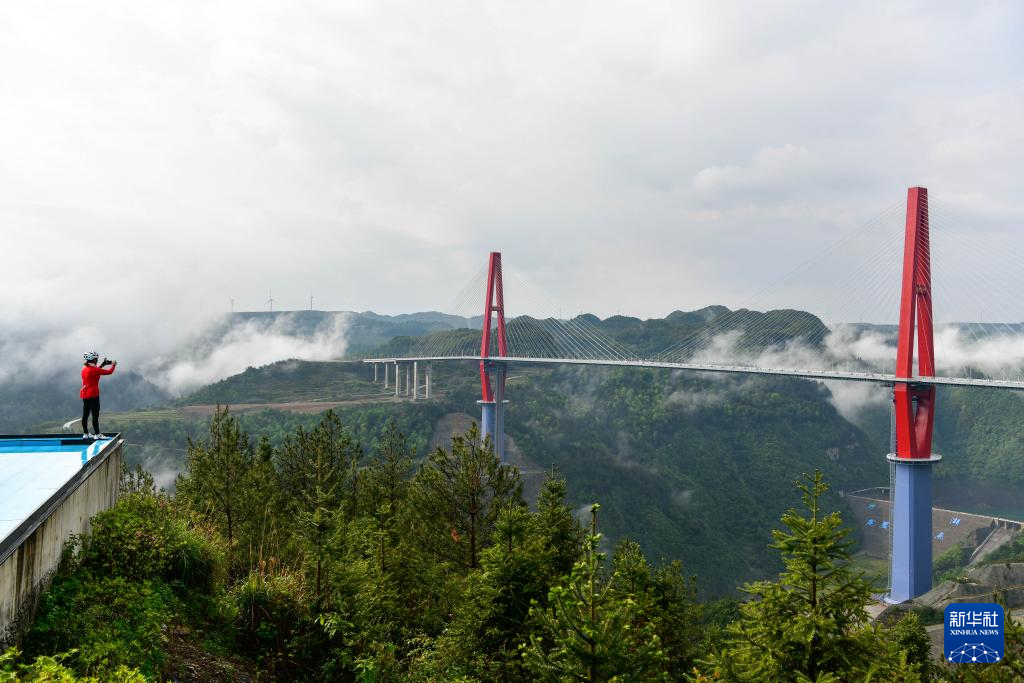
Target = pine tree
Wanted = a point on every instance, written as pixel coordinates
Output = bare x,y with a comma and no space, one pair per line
456,497
264,539
219,476
665,597
529,553
483,640
386,488
811,623
590,632
910,636
316,472
558,534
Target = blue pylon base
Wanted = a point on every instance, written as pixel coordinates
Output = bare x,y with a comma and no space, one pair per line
911,568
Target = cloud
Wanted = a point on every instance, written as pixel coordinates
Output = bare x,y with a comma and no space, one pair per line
692,401
683,497
163,463
772,169
874,349
252,343
999,355
851,398
217,349
960,351
161,160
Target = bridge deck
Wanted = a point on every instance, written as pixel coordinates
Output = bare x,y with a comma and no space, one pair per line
844,375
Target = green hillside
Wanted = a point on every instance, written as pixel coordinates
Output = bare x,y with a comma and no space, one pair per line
692,466
289,381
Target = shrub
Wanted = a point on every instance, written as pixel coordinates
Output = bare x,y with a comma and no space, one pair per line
134,539
51,670
105,623
198,559
110,606
949,565
142,537
272,617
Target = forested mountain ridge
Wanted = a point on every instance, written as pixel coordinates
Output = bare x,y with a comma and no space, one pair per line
690,467
694,467
318,561
363,330
643,338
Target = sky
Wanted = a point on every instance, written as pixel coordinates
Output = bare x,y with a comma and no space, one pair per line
161,159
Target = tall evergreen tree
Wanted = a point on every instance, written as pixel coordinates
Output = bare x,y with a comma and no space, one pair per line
317,472
483,639
589,632
665,597
558,534
265,539
456,497
490,626
909,635
811,623
386,488
219,477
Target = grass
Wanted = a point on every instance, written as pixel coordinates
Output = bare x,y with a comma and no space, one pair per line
291,382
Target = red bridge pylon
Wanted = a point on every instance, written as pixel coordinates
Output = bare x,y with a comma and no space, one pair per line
492,402
915,414
914,406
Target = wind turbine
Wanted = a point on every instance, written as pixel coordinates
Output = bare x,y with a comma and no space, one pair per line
311,302
271,301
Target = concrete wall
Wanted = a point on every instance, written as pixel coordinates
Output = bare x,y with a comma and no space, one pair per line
972,529
27,571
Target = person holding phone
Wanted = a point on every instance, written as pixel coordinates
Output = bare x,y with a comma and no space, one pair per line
90,392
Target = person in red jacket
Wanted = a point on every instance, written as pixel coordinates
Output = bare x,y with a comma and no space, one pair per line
90,392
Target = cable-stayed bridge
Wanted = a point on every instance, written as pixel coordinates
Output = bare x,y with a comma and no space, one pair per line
844,375
909,350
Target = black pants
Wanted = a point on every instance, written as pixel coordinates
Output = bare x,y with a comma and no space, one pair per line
91,405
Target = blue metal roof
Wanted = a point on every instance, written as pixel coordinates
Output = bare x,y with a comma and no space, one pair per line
33,469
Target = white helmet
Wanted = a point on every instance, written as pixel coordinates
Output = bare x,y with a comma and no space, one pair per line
91,356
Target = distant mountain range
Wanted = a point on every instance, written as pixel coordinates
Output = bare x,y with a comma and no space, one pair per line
691,465
363,330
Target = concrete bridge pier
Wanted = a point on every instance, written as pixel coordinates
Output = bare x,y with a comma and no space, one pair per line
374,373
408,380
415,380
426,372
911,527
385,375
492,414
398,380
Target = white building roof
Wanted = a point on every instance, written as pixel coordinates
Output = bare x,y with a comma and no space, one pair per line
33,469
